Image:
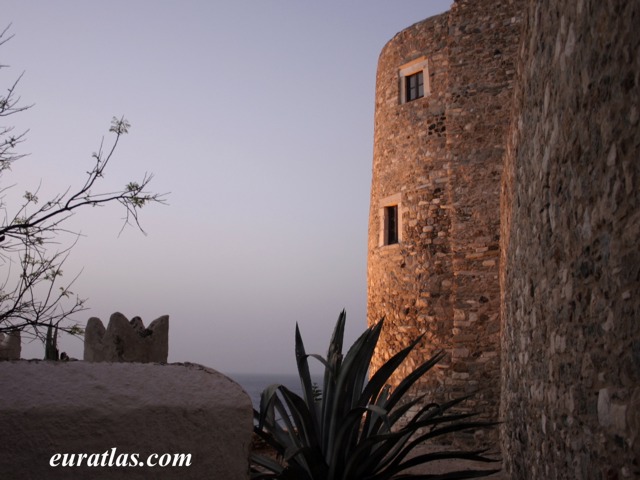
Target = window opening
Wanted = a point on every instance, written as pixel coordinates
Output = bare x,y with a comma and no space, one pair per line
415,86
414,80
391,224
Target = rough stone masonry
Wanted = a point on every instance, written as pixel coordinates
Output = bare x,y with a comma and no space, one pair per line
570,255
438,160
515,182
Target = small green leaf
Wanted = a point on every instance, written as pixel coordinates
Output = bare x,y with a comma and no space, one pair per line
120,126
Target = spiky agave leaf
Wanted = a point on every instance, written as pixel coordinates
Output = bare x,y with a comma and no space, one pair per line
263,467
404,386
270,405
383,453
377,390
381,378
379,424
349,386
473,456
352,431
334,362
397,465
305,377
303,427
294,441
356,372
285,438
374,426
457,475
392,448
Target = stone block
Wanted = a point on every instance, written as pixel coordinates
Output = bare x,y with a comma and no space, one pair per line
127,341
611,414
108,410
460,352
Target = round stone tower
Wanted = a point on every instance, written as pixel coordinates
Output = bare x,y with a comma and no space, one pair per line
443,100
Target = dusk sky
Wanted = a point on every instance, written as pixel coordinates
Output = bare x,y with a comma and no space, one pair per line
256,116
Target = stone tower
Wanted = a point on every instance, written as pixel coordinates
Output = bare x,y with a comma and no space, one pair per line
443,97
559,139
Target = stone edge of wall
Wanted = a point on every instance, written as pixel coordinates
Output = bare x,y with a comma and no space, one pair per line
83,407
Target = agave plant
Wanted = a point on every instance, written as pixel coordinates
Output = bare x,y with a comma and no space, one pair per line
352,431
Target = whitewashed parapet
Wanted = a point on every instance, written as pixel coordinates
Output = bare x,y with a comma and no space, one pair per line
10,345
126,341
127,419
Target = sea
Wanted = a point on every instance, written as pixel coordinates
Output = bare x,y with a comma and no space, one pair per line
254,384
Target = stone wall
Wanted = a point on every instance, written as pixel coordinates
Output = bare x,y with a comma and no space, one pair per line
570,255
111,410
405,279
10,345
441,156
483,44
126,341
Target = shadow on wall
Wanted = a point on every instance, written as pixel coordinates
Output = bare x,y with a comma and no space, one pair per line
570,257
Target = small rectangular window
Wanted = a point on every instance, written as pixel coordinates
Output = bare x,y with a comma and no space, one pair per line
414,80
391,225
390,220
415,86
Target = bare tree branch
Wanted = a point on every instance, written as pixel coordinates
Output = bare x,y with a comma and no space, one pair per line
33,296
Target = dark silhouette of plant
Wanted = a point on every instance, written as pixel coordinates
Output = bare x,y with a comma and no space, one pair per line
32,298
51,344
353,431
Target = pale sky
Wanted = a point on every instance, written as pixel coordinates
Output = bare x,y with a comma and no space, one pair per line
257,116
